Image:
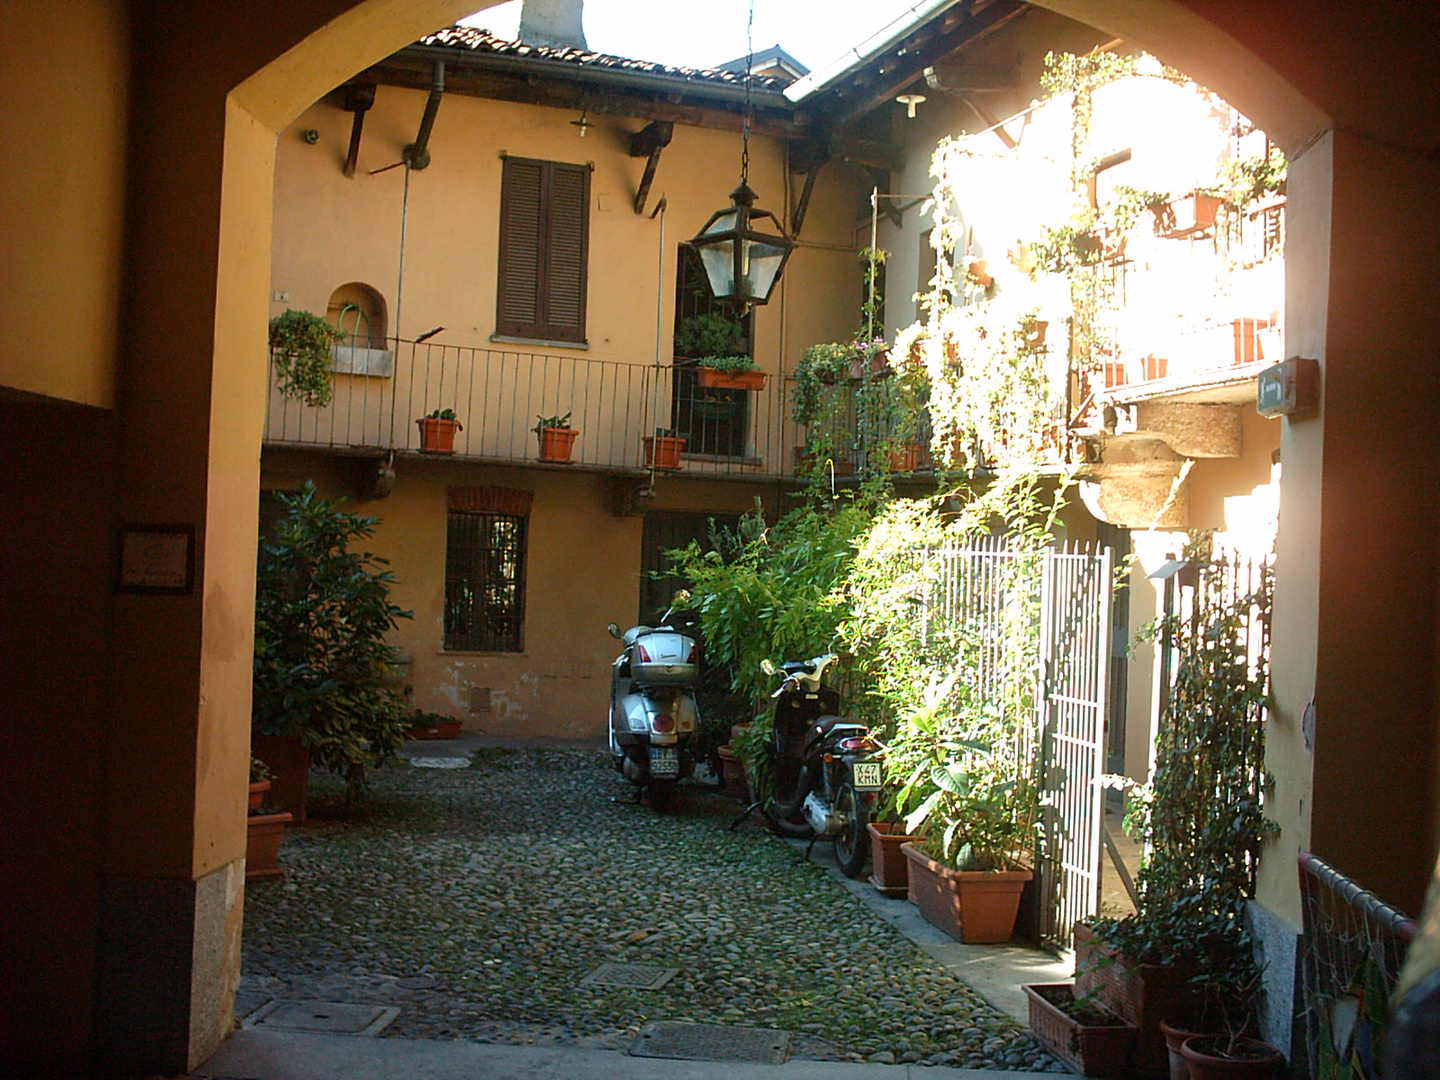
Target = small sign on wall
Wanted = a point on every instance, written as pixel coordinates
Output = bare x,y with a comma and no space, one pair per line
157,559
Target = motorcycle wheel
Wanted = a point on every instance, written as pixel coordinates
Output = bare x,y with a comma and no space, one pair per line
852,845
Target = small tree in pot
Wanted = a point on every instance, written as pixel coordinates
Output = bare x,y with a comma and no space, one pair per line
322,664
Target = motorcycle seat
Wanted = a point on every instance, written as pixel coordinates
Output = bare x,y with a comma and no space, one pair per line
826,723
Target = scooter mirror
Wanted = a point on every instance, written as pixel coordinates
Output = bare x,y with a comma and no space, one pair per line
767,667
614,631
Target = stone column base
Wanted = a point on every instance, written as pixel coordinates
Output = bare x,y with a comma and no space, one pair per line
169,964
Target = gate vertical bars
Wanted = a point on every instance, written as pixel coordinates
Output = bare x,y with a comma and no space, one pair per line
1071,710
971,589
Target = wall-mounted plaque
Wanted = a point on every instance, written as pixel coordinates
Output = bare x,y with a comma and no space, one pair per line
157,559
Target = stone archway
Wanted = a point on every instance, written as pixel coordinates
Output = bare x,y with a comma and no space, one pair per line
202,144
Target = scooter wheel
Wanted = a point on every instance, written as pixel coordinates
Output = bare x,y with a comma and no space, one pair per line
661,796
852,844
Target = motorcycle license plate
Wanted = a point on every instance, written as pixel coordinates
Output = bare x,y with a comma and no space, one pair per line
664,761
867,775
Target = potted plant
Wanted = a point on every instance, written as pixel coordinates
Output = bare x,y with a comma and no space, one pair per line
300,349
432,725
323,667
965,786
264,826
733,372
259,782
556,436
437,432
663,449
716,344
890,868
1081,1032
820,366
1185,956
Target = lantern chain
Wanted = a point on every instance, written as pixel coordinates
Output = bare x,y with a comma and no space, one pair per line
745,128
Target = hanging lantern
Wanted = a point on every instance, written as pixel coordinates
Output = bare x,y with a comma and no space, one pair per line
741,261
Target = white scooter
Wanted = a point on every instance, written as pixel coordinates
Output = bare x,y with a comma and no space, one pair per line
654,723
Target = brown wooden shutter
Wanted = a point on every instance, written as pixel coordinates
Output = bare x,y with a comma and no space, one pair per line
544,249
567,243
518,300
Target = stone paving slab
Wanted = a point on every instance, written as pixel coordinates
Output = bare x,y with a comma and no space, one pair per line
477,900
256,1055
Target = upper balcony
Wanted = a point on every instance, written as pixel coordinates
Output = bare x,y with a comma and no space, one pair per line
498,395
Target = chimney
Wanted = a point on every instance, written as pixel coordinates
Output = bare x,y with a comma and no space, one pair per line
555,23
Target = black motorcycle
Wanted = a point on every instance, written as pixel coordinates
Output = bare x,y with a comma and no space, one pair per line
824,769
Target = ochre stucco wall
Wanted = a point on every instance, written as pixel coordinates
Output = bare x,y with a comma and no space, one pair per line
62,201
582,572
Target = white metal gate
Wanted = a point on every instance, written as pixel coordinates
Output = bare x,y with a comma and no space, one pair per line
979,590
1071,713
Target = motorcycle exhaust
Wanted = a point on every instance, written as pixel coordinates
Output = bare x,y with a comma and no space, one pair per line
820,817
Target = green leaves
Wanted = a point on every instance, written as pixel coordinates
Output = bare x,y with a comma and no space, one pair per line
300,349
322,665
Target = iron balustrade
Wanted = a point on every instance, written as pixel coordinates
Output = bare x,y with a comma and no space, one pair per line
498,394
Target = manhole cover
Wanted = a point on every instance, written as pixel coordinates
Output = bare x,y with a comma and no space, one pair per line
634,976
440,762
329,1017
711,1042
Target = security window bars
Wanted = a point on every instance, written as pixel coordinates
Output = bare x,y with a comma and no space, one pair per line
544,248
485,582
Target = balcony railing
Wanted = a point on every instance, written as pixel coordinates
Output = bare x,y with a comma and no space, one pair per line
497,395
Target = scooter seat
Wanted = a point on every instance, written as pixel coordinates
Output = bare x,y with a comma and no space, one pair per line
824,725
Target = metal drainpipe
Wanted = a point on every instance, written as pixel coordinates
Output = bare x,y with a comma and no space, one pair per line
417,154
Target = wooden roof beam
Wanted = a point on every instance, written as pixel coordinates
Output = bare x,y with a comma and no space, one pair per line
648,142
964,33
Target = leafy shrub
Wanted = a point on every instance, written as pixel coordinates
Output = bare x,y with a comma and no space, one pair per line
323,668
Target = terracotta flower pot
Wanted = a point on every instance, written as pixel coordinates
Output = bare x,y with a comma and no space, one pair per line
262,844
1144,994
732,773
1096,1045
976,907
1212,1057
715,379
1174,1039
906,458
445,728
289,764
663,451
257,793
891,868
556,444
437,436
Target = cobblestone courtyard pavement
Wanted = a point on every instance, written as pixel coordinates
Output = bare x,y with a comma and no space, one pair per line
477,900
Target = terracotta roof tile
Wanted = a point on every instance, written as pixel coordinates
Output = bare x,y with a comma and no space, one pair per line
482,41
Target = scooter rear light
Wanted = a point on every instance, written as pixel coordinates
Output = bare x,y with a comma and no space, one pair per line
663,724
644,656
855,743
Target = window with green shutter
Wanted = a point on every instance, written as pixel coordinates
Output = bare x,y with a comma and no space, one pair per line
544,247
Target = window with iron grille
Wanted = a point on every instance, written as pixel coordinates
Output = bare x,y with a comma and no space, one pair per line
485,582
544,248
